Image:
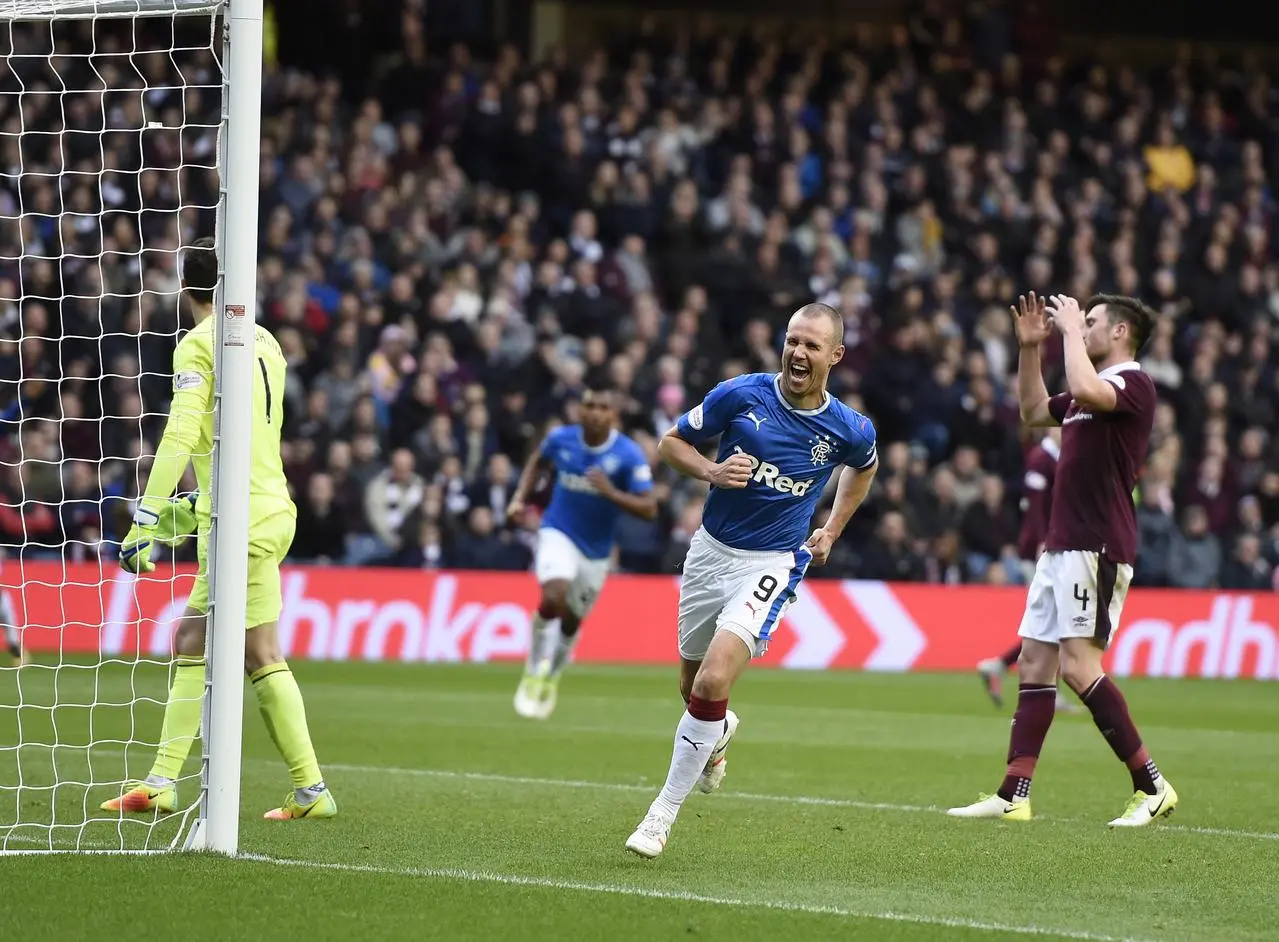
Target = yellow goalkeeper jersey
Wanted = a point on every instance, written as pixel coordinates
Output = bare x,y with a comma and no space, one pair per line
188,434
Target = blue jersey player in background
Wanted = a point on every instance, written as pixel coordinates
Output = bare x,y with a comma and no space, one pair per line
781,438
599,474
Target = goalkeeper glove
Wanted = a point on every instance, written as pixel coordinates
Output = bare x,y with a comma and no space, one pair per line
173,521
176,519
135,549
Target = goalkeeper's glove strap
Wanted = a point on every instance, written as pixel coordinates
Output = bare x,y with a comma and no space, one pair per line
145,518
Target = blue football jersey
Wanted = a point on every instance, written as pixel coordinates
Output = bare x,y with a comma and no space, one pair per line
793,453
576,510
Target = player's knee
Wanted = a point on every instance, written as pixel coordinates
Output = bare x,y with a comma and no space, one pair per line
188,640
554,603
1080,670
1037,664
261,649
713,682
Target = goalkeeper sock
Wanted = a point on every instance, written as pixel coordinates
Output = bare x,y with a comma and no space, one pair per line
181,720
280,702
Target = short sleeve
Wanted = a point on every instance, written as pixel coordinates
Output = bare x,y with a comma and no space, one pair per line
549,443
640,476
711,416
863,454
1134,391
1058,406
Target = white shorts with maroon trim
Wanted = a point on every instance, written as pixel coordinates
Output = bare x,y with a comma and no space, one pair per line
1075,594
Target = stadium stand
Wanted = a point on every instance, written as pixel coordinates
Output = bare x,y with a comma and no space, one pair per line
450,248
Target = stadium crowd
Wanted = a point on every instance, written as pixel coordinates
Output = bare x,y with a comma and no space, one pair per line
451,248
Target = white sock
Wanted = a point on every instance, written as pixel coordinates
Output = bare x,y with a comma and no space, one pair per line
562,651
694,740
305,796
545,634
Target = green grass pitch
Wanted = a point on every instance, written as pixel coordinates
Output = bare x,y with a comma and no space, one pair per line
461,821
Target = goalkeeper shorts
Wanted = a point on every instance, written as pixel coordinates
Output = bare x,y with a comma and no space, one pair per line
269,543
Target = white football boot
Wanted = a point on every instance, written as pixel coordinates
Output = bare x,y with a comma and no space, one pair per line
717,765
992,806
528,696
649,838
1145,809
548,695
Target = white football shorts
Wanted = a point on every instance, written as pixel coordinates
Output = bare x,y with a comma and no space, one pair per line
1075,594
559,558
735,590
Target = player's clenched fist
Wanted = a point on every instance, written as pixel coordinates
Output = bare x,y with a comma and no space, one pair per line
600,481
819,545
733,472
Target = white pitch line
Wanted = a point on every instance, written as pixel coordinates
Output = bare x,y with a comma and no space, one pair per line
621,889
740,796
617,787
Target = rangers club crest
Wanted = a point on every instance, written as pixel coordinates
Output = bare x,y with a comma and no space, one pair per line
822,450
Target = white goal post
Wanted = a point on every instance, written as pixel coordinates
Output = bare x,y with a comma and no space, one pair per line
128,128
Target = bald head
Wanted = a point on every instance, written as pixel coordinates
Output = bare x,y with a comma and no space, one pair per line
818,310
814,344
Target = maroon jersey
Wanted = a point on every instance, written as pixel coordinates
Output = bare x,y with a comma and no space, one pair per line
1036,497
1101,456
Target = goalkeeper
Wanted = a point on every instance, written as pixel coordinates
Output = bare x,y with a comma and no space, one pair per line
188,436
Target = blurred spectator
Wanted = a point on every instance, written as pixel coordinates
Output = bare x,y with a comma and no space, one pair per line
889,555
391,500
447,252
1196,552
1246,568
1158,536
481,546
321,528
989,526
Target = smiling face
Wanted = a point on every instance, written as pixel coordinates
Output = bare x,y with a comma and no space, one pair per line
813,345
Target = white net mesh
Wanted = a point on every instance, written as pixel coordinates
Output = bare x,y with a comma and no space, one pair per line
108,165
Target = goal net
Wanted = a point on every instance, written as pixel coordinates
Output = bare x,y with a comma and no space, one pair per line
111,120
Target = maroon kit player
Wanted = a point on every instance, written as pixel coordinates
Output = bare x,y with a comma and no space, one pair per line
1082,576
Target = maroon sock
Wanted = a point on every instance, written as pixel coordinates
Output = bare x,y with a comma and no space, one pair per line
1110,712
708,710
1035,709
1010,656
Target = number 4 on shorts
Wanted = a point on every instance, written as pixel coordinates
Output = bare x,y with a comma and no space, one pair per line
1081,596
